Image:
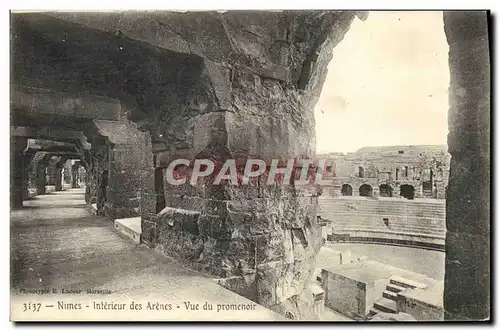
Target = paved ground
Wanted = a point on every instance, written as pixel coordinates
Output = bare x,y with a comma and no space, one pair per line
427,262
57,244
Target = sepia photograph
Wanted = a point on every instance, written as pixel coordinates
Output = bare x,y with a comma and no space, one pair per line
250,165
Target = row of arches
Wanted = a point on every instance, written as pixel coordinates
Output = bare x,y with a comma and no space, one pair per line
366,190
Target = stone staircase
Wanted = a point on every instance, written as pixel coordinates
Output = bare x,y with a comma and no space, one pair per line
427,193
388,302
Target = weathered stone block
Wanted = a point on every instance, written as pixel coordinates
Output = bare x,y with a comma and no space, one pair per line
214,226
180,220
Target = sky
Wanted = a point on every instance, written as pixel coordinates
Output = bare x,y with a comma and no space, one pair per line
387,84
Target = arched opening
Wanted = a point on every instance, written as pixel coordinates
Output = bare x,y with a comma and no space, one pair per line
361,172
365,190
385,190
346,190
407,191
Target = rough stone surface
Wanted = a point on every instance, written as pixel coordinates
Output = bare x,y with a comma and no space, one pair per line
17,185
467,277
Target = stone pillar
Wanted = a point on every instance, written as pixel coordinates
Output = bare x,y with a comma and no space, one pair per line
27,158
67,172
441,186
37,172
252,96
74,176
51,174
17,185
41,177
336,190
123,180
264,238
419,192
58,176
467,273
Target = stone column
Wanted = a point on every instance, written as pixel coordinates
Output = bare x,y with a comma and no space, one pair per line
51,174
27,158
336,190
41,177
252,96
58,176
123,179
17,185
261,239
467,275
74,176
67,172
441,186
37,173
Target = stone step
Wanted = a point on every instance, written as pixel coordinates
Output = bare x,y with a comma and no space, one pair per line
395,288
386,305
130,227
373,311
408,283
390,295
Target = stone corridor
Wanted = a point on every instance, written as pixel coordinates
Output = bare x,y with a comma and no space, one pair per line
57,243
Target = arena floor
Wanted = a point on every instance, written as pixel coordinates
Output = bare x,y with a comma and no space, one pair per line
427,262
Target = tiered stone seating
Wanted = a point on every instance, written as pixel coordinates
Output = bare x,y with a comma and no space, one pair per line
418,222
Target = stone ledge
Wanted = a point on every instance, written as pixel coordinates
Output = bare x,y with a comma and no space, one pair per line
130,227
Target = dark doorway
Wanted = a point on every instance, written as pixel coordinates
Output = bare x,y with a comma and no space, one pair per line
407,191
346,190
361,172
365,190
385,190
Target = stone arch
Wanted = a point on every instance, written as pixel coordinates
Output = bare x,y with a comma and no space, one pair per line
385,190
366,190
407,191
346,190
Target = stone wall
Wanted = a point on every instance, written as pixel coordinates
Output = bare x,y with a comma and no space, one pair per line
344,295
392,165
420,310
254,97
